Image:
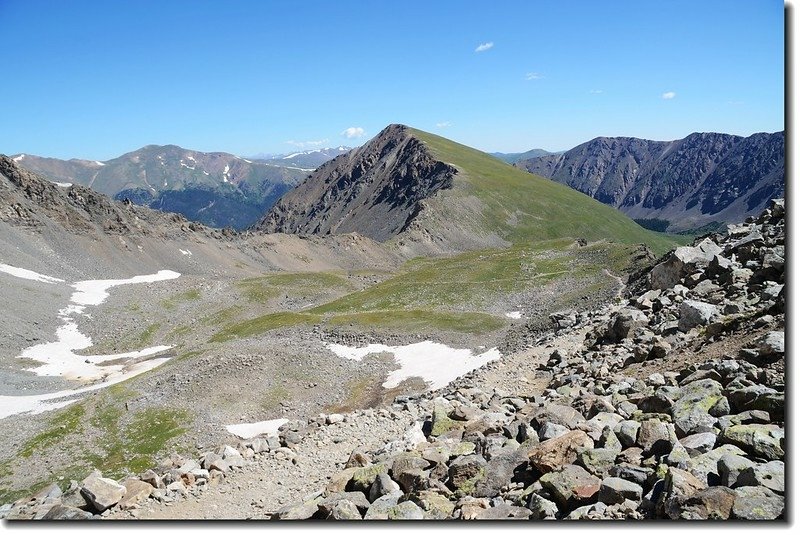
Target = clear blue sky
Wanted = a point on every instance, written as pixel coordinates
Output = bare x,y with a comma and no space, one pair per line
95,79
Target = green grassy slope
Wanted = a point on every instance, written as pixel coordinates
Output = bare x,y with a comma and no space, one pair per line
522,207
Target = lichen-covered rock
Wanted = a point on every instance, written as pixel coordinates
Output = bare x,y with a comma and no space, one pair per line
770,475
679,485
406,511
571,485
556,452
690,413
713,503
757,503
617,490
762,440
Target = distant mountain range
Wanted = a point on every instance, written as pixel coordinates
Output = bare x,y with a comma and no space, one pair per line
215,188
514,157
699,182
306,160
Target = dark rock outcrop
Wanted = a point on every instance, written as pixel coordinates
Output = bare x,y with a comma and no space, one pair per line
375,190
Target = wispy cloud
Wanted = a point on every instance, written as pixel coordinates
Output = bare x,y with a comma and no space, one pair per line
669,95
304,144
445,124
353,132
533,76
483,47
595,91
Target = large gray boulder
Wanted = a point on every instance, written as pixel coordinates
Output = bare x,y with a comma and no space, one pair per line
101,492
695,314
681,262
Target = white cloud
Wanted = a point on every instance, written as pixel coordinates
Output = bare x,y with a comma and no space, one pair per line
445,124
304,144
353,132
483,47
669,95
595,91
533,76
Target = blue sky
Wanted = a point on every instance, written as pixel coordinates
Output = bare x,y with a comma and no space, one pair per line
91,79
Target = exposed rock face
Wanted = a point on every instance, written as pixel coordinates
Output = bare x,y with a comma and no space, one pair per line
691,182
26,199
375,190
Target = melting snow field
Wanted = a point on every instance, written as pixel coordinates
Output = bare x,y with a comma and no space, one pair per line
435,363
267,427
28,274
514,315
59,359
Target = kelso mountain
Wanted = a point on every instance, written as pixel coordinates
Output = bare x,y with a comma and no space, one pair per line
416,330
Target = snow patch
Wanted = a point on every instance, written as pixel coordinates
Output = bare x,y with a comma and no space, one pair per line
248,161
267,427
28,274
186,166
10,405
299,168
514,315
94,292
289,157
18,158
185,252
101,164
59,359
437,364
63,184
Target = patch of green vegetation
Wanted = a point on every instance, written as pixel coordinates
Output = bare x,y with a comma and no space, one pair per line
148,333
262,289
469,278
423,320
222,316
180,332
653,223
522,207
263,324
273,397
131,448
357,394
63,424
171,303
189,354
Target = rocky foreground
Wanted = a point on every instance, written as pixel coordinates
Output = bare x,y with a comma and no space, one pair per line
669,406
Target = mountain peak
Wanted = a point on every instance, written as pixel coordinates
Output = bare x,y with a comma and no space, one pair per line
375,190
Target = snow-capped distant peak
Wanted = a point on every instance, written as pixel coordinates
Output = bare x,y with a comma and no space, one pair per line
289,157
18,158
99,163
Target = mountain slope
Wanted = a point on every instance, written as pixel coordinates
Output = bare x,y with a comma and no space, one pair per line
705,178
430,193
514,157
217,189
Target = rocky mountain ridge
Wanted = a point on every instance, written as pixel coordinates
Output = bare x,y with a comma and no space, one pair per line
375,190
28,200
215,188
702,179
669,405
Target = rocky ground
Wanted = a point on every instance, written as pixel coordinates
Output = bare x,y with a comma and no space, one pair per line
668,405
